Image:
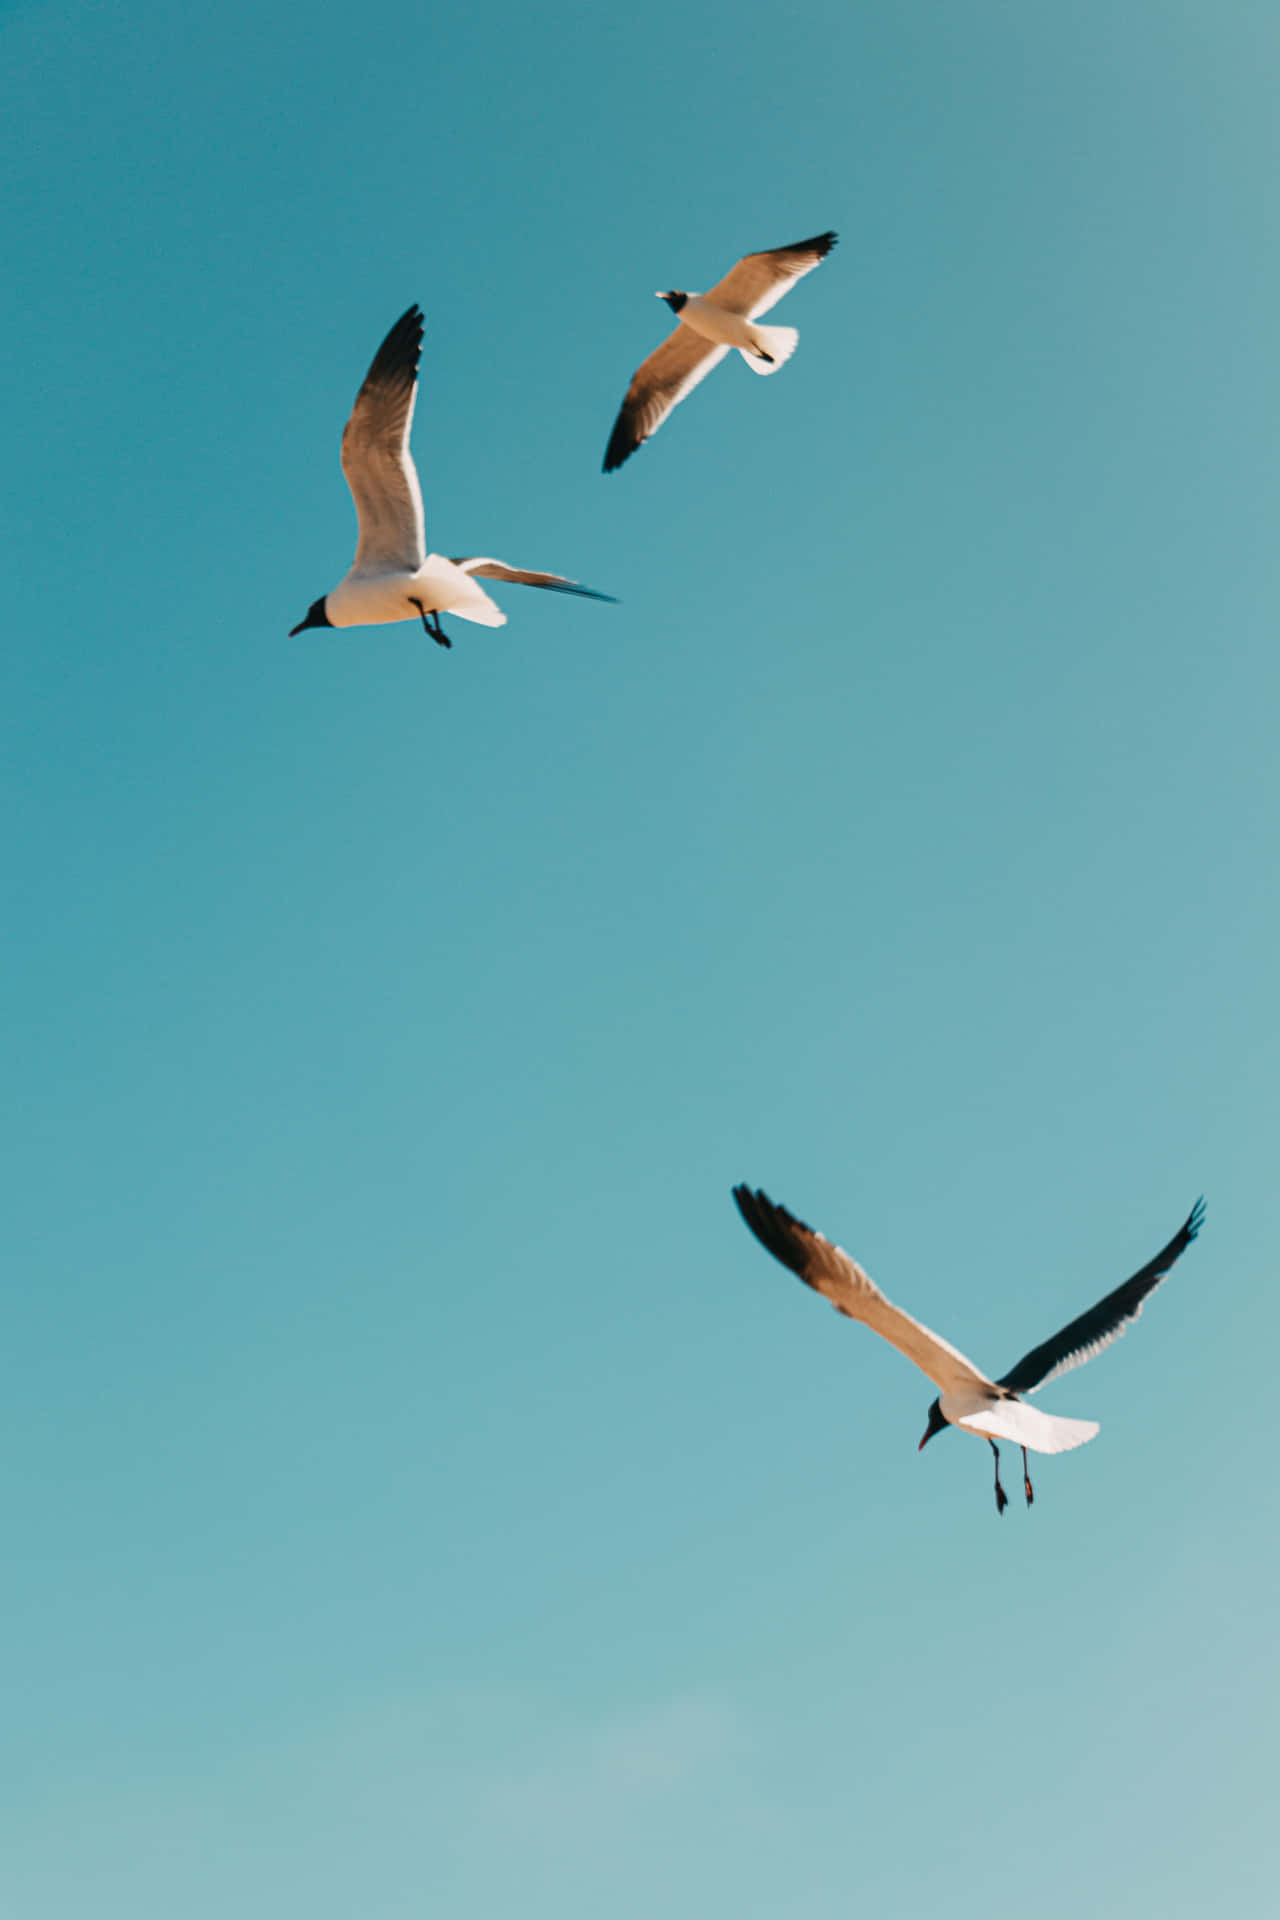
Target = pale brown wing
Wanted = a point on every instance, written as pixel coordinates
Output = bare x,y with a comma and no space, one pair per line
759,281
376,460
829,1271
660,383
485,568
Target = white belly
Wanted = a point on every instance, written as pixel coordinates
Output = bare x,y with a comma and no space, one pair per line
371,599
717,323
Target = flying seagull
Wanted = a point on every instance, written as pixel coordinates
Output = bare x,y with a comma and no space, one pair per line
709,324
393,577
992,1409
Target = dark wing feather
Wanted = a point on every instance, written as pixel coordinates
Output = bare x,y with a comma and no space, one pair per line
1102,1324
786,1238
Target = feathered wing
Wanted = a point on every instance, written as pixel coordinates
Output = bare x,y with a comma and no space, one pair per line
376,460
1096,1329
659,384
759,280
485,568
829,1271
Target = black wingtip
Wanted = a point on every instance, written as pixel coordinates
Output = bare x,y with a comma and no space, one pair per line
620,448
581,593
397,358
1195,1220
819,243
775,1228
576,590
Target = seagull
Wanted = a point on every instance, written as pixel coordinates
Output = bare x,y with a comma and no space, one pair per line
709,324
393,577
991,1409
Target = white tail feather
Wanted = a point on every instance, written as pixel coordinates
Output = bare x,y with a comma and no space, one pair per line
1029,1427
454,591
484,611
778,342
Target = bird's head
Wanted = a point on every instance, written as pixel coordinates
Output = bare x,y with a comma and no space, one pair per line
316,617
937,1421
674,300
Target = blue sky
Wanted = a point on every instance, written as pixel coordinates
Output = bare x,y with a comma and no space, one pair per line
420,1495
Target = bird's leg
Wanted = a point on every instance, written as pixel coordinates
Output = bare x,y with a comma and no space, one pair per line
1002,1498
1026,1479
436,631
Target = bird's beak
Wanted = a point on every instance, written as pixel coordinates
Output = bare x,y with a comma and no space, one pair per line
920,1448
294,631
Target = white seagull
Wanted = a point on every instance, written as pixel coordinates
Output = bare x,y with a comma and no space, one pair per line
393,577
992,1409
710,324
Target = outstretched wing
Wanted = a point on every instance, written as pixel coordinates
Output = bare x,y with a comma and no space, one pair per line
1102,1324
830,1272
759,281
486,569
375,455
659,384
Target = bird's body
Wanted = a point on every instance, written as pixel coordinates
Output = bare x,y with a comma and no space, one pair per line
393,577
991,1413
365,598
991,1410
711,325
763,348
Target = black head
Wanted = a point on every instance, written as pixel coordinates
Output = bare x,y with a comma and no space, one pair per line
316,617
937,1421
674,300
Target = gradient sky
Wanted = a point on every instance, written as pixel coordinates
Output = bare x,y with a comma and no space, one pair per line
419,1494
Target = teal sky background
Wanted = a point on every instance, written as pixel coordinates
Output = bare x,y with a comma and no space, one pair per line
419,1494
